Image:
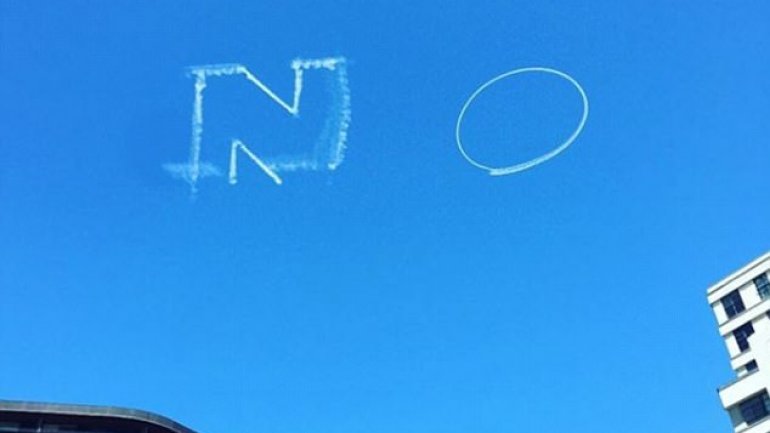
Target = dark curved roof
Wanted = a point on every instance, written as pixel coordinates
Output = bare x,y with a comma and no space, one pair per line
93,412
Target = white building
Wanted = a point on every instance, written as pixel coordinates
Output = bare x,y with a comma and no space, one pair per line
741,304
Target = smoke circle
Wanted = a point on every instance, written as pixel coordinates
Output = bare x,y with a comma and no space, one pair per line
501,171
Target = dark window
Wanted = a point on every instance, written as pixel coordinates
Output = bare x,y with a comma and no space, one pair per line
733,303
763,286
754,408
751,366
742,336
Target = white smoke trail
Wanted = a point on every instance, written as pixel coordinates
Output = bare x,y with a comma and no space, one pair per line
182,171
329,151
331,158
515,168
344,119
233,177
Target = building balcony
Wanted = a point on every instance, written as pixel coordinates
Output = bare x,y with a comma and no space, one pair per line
750,384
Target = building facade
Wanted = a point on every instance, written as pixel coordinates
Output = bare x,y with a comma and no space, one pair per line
30,417
741,304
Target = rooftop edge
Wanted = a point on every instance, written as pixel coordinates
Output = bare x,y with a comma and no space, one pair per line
95,411
734,275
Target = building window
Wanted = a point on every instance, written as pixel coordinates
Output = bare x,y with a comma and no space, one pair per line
742,336
755,408
763,286
751,366
733,304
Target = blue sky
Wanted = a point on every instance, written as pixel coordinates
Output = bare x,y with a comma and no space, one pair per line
406,291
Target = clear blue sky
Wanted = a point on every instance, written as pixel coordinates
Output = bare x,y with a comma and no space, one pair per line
407,291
